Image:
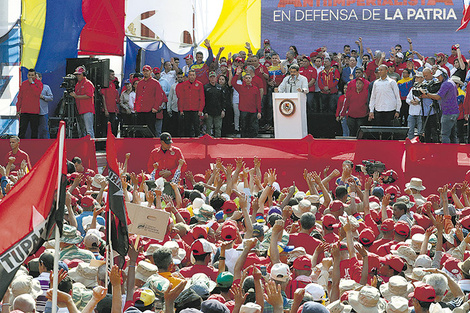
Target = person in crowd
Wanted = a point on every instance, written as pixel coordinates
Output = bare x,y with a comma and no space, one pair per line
306,69
385,103
214,109
447,95
15,157
164,160
110,103
44,99
201,68
415,109
28,104
126,104
355,105
191,103
295,82
172,107
328,80
84,95
149,100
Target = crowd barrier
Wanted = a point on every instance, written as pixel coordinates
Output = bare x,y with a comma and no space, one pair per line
435,164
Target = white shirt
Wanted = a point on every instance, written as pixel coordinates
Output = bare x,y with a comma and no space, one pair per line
385,96
172,99
170,76
291,84
415,109
319,69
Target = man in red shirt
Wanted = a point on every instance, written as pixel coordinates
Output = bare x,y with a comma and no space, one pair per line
85,99
18,155
201,250
191,103
249,106
28,106
303,238
165,158
356,102
307,70
328,80
110,100
149,99
262,72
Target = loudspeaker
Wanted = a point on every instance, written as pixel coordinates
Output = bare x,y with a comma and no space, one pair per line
323,125
136,131
382,133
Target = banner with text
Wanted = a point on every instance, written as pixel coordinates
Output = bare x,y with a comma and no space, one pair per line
310,24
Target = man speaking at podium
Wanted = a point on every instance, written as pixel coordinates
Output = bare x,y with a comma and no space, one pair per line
294,82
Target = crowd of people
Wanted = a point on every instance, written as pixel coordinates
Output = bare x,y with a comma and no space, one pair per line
238,241
223,96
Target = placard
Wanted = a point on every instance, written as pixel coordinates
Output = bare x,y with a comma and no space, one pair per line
146,221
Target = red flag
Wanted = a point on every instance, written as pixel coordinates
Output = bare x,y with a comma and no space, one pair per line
26,214
466,15
116,203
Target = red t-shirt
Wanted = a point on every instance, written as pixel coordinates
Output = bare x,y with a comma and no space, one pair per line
350,269
311,73
85,87
377,244
19,157
259,74
306,241
331,238
166,160
28,97
110,95
211,272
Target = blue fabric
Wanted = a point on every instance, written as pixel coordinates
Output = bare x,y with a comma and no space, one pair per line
64,23
130,57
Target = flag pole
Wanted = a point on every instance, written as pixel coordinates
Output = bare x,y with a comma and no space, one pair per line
57,233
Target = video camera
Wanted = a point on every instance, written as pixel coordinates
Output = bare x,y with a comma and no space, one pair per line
371,166
69,82
428,87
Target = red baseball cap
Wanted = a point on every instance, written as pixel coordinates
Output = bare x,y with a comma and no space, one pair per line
416,229
189,56
391,190
147,68
454,47
374,199
87,202
465,222
402,228
422,220
424,293
336,206
303,263
266,41
367,236
239,60
200,247
156,70
329,220
452,265
433,198
229,232
387,225
199,231
229,207
394,261
185,215
375,215
391,173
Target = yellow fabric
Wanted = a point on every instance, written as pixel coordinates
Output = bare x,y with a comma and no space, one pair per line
33,19
239,22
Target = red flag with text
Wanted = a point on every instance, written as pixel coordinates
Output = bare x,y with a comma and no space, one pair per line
27,214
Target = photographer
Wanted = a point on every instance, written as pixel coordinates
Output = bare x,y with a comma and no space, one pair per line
84,98
429,111
414,111
447,95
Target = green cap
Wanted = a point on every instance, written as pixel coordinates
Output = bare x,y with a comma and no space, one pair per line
225,279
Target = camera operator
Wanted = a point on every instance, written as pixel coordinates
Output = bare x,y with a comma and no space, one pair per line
84,98
414,111
447,95
429,112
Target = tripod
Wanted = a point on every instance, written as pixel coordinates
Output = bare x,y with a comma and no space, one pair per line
69,114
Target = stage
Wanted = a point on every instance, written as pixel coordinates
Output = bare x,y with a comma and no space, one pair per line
435,164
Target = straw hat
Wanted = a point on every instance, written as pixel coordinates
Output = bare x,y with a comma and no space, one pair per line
417,274
338,307
367,300
415,183
144,270
25,284
348,284
398,305
151,249
85,274
396,286
406,253
178,253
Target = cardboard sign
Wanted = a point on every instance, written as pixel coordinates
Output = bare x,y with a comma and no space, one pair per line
146,221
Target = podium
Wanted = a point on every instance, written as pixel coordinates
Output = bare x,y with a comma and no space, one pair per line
290,115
